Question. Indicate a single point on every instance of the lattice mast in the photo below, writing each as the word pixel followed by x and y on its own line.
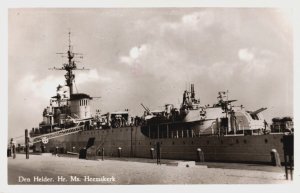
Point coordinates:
pixel 70 65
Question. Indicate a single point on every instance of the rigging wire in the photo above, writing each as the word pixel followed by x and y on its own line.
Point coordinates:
pixel 18 137
pixel 75 86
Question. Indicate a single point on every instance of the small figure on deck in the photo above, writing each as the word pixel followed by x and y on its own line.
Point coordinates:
pixel 265 131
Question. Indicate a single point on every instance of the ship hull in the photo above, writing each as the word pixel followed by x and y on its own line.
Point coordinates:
pixel 249 148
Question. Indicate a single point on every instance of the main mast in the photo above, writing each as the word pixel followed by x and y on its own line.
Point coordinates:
pixel 70 66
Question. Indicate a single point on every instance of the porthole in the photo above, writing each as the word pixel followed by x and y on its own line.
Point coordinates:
pixel 221 141
pixel 161 142
pixel 183 142
pixel 173 142
pixel 266 140
pixel 245 141
pixel 237 141
pixel 192 142
pixel 281 140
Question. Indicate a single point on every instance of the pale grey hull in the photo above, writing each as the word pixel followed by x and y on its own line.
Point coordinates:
pixel 251 148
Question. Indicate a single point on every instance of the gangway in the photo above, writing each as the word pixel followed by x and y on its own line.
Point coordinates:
pixel 44 138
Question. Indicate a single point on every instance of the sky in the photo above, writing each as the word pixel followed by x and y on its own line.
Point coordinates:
pixel 150 56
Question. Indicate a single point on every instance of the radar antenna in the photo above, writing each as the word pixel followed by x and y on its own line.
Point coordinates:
pixel 70 65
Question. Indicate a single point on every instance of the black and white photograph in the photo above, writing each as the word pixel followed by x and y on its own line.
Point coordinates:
pixel 150 95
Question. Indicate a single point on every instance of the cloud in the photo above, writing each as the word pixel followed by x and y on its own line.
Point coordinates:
pixel 199 44
pixel 255 60
pixel 44 88
pixel 91 76
pixel 134 54
pixel 195 21
pixel 245 55
pixel 203 18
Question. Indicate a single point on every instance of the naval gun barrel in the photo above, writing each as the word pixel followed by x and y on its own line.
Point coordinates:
pixel 258 111
pixel 146 109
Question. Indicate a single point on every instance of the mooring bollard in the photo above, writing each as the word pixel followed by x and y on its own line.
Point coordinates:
pixel 82 153
pixel 119 151
pixel 56 150
pixel 275 159
pixel 102 153
pixel 158 153
pixel 200 155
pixel 152 152
pixel 27 151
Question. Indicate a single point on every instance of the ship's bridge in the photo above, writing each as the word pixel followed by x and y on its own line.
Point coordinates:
pixel 80 106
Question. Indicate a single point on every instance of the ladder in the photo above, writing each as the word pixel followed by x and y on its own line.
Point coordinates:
pixel 44 138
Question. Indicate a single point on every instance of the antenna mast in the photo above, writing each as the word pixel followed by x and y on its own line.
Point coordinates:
pixel 70 66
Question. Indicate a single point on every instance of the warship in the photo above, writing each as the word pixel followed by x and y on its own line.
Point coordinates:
pixel 222 131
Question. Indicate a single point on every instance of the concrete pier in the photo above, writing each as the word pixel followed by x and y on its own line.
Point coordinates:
pixel 71 170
